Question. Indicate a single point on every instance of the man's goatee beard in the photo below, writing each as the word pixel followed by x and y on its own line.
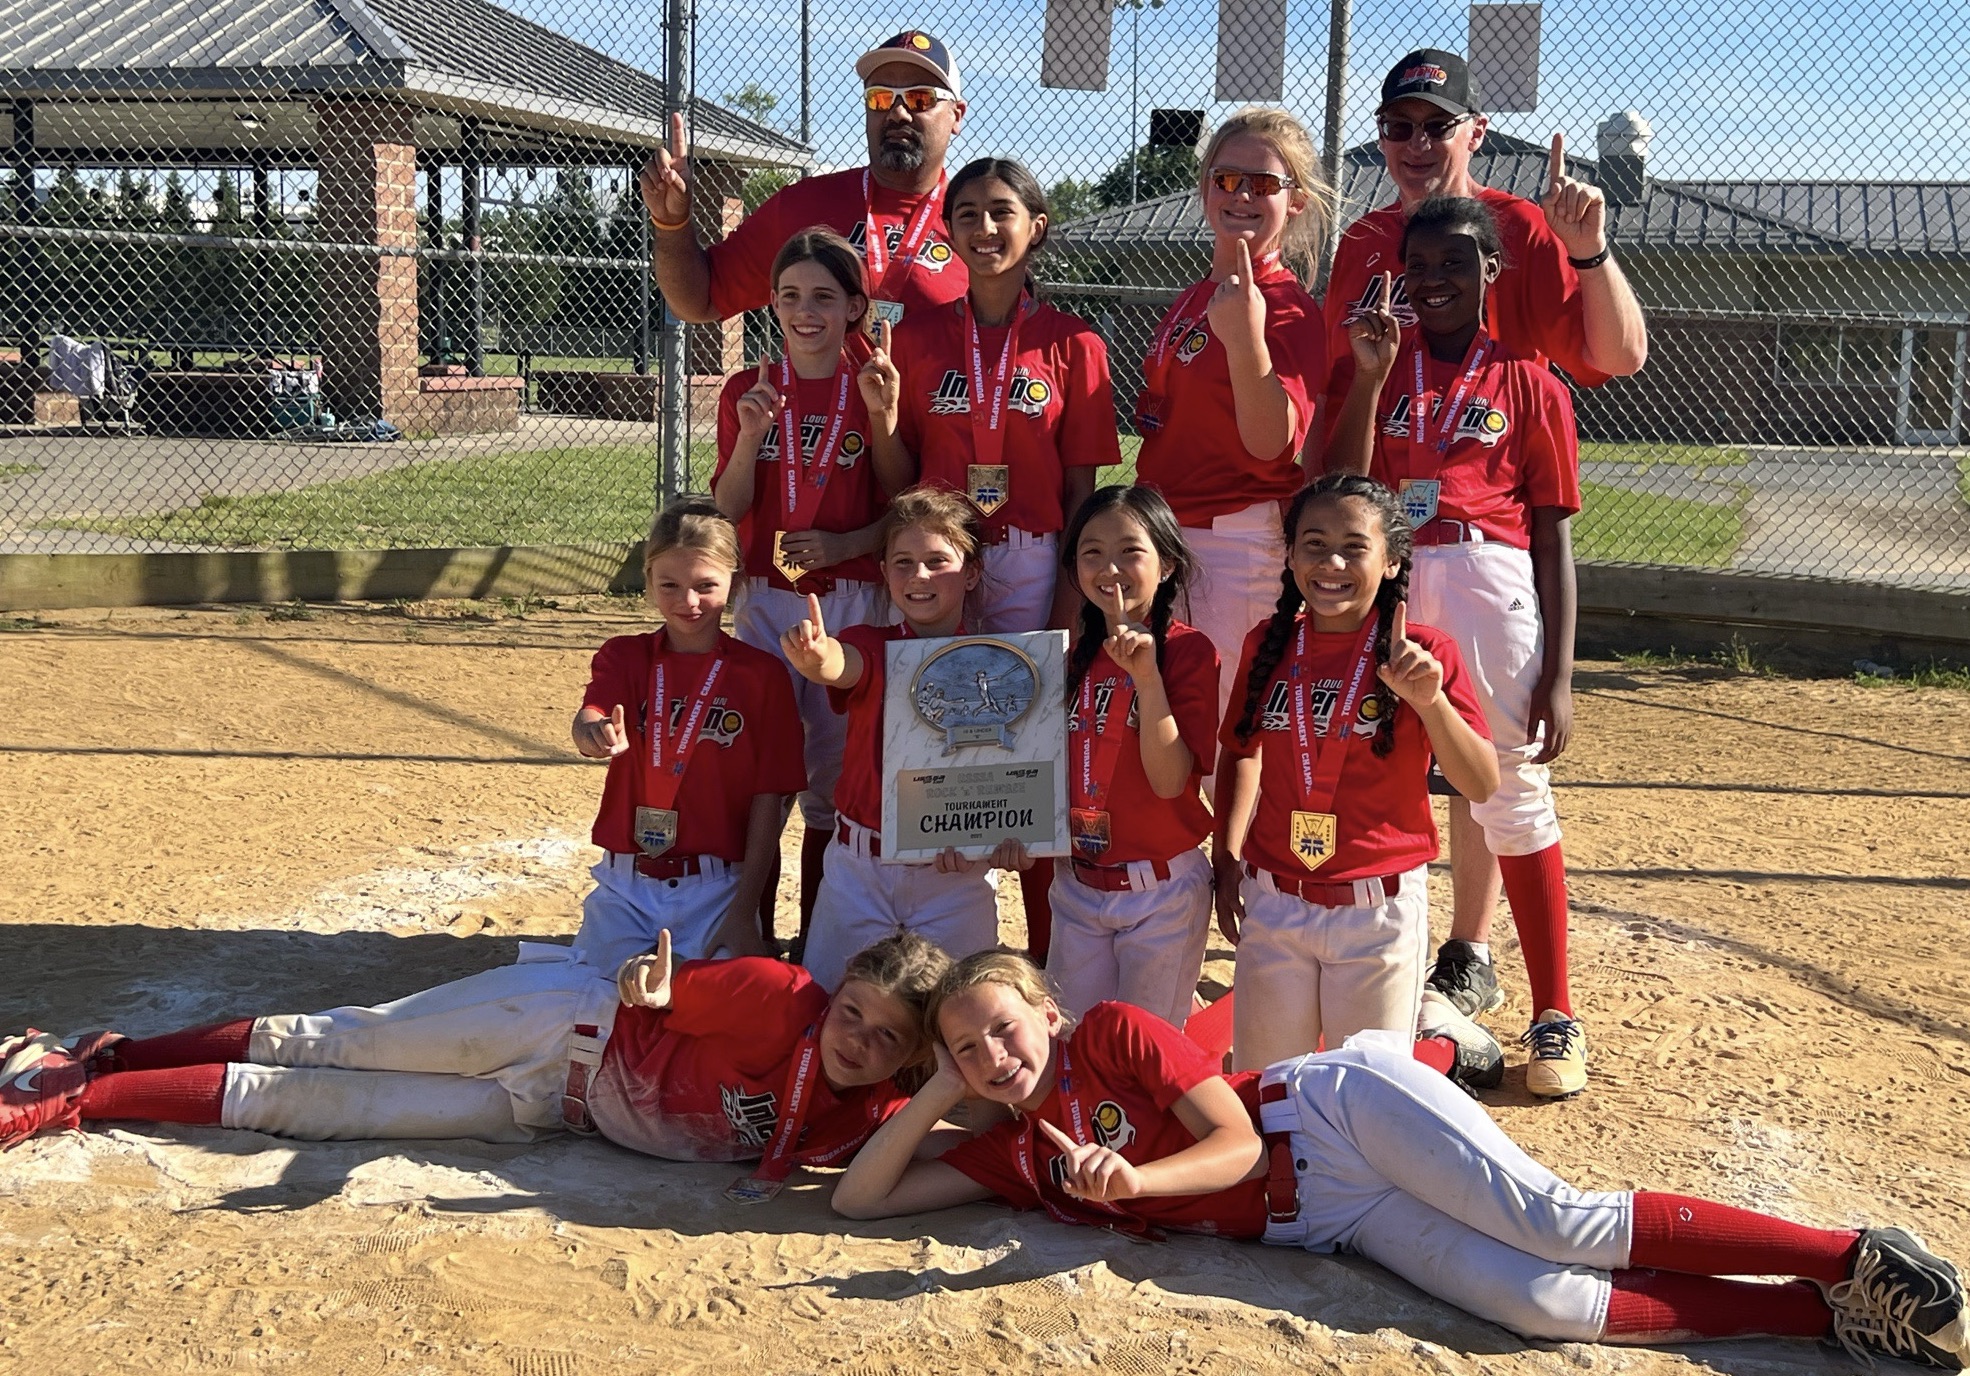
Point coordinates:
pixel 896 157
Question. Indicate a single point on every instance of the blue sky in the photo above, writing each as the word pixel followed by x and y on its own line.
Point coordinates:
pixel 1764 88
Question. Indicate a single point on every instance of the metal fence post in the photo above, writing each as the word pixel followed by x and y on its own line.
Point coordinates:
pixel 676 425
pixel 1339 18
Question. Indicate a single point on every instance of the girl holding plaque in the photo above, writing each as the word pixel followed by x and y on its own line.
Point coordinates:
pixel 1132 907
pixel 703 746
pixel 796 472
pixel 1235 368
pixel 1324 832
pixel 931 544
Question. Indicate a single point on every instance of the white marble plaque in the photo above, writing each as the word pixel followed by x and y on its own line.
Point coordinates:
pixel 975 745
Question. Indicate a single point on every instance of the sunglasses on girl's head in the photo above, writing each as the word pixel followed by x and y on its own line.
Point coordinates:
pixel 1403 130
pixel 1231 181
pixel 918 100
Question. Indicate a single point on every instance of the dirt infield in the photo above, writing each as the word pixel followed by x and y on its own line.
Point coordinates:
pixel 216 813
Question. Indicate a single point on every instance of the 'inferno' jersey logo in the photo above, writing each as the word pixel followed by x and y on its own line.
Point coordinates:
pixel 1276 715
pixel 1192 343
pixel 1025 394
pixel 1404 313
pixel 1112 1127
pixel 934 256
pixel 752 1116
pixel 812 428
pixel 1104 694
pixel 1481 420
pixel 722 723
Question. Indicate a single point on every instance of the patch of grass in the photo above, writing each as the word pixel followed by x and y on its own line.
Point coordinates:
pixel 1618 526
pixel 1934 674
pixel 23 623
pixel 1122 473
pixel 591 495
pixel 1963 477
pixel 294 610
pixel 1646 456
pixel 17 470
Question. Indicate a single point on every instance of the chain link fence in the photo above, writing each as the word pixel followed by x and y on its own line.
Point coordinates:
pixel 327 275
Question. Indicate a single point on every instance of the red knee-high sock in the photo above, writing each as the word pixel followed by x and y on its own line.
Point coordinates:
pixel 1438 1053
pixel 1536 886
pixel 1667 1306
pixel 181 1094
pixel 1674 1232
pixel 213 1043
pixel 1034 885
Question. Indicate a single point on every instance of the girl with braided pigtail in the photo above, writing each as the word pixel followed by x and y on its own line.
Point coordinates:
pixel 1324 829
pixel 1132 907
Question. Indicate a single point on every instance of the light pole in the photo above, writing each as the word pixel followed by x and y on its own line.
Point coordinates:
pixel 1135 65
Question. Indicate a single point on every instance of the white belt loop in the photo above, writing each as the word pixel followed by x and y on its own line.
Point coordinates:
pixel 1142 876
pixel 1368 893
pixel 860 838
pixel 1263 878
pixel 1024 539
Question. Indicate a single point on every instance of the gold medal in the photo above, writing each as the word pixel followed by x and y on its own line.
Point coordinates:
pixel 656 829
pixel 890 312
pixel 1090 829
pixel 988 485
pixel 788 569
pixel 1313 837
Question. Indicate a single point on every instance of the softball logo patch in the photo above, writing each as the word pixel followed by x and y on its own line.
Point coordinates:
pixel 935 255
pixel 1112 1127
pixel 722 724
pixel 1028 395
pixel 1192 345
pixel 852 445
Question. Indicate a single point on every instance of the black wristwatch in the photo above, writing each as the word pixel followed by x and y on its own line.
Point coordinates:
pixel 1582 264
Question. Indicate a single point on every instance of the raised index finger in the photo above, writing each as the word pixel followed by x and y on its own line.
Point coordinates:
pixel 1118 613
pixel 679 146
pixel 1057 1137
pixel 1556 168
pixel 814 614
pixel 1399 624
pixel 882 334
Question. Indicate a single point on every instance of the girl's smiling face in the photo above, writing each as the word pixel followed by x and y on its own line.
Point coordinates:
pixel 1340 559
pixel 992 230
pixel 928 577
pixel 814 311
pixel 1445 276
pixel 867 1036
pixel 1001 1044
pixel 690 589
pixel 1115 551
pixel 1243 214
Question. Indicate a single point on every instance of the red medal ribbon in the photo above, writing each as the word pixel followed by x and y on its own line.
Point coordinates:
pixel 1186 315
pixel 1100 748
pixel 1420 462
pixel 671 756
pixel 1320 763
pixel 779 1160
pixel 803 502
pixel 875 245
pixel 988 436
pixel 1026 1158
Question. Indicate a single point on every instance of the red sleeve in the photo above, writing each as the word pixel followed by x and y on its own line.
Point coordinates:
pixel 781 751
pixel 912 400
pixel 1088 435
pixel 1555 309
pixel 1234 709
pixel 1458 685
pixel 1190 678
pixel 990 1159
pixel 616 675
pixel 1124 1043
pixel 1299 360
pixel 1550 446
pixel 742 262
pixel 873 643
pixel 753 999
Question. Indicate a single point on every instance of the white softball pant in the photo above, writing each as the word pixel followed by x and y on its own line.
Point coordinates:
pixel 1398 1164
pixel 1239 560
pixel 864 899
pixel 1308 972
pixel 483 1057
pixel 763 614
pixel 625 910
pixel 1143 945
pixel 1017 590
pixel 1483 596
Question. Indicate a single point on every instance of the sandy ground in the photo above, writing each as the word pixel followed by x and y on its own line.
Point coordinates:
pixel 215 813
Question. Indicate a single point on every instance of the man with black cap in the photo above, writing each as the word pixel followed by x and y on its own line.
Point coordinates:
pixel 892 210
pixel 1560 297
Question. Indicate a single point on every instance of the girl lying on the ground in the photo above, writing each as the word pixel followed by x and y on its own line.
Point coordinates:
pixel 717 1061
pixel 1123 1123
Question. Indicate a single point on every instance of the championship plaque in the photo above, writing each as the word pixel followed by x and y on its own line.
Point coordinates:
pixel 975 745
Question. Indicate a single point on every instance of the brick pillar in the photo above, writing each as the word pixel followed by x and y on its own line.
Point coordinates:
pixel 719 348
pixel 366 155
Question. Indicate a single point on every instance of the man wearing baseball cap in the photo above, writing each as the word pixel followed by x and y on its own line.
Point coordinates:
pixel 891 210
pixel 1560 297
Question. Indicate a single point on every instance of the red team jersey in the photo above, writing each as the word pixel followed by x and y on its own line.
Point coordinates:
pixel 750 741
pixel 1190 447
pixel 858 794
pixel 1383 803
pixel 850 501
pixel 1535 306
pixel 1128 1069
pixel 1142 825
pixel 1514 449
pixel 704 1079
pixel 742 262
pixel 1059 407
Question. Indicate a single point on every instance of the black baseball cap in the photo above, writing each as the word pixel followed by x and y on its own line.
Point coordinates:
pixel 1434 75
pixel 918 49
